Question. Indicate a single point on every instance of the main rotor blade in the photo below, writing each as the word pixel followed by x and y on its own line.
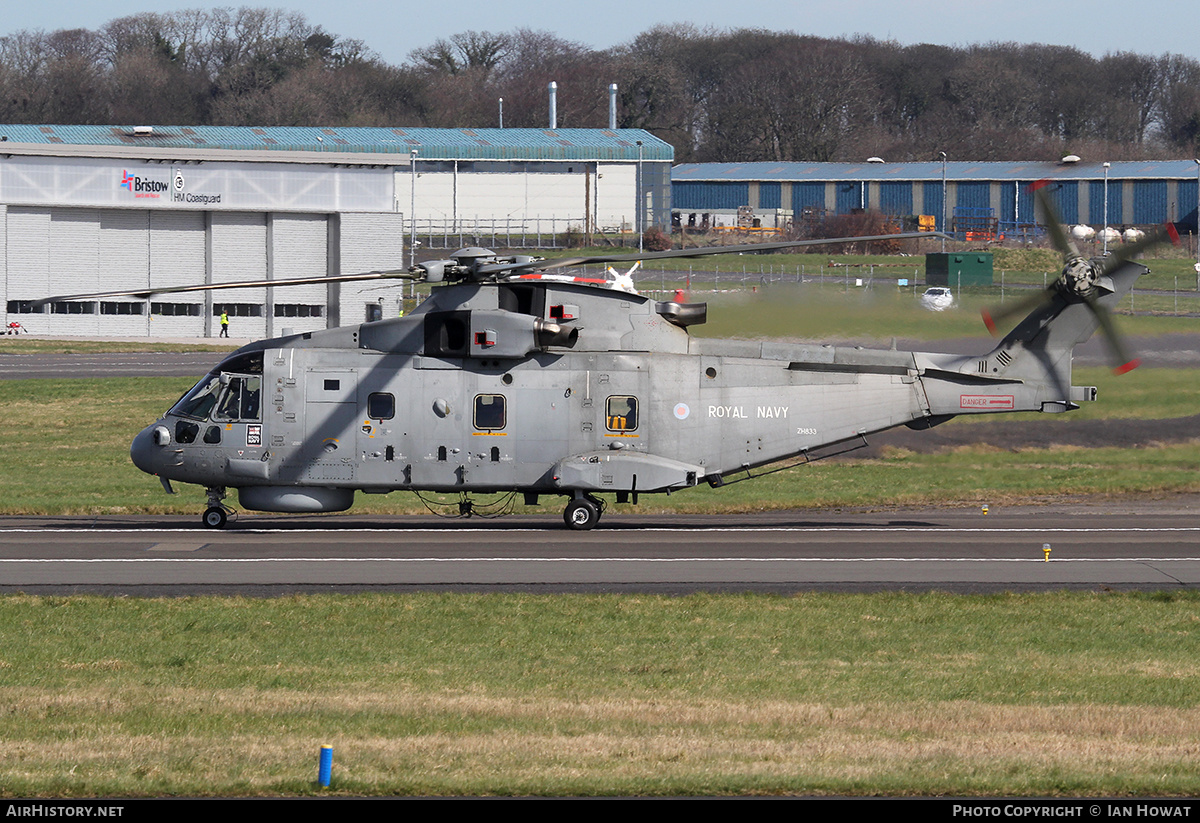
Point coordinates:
pixel 394 274
pixel 1062 240
pixel 702 251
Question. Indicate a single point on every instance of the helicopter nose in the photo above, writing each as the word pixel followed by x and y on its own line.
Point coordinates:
pixel 147 448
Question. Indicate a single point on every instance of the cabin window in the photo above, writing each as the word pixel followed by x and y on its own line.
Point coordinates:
pixel 489 412
pixel 381 406
pixel 621 413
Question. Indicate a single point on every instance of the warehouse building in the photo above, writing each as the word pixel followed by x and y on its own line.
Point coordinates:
pixel 982 200
pixel 104 208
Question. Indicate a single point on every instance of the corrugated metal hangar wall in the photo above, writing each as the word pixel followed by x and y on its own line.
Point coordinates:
pixel 1139 193
pixel 78 217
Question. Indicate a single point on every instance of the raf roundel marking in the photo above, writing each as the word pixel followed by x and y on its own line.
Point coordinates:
pixel 682 411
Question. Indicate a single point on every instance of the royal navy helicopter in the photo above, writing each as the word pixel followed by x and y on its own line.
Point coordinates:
pixel 515 377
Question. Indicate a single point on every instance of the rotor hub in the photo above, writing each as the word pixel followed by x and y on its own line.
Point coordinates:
pixel 1079 277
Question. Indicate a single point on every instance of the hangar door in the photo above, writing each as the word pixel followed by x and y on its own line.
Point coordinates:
pixel 256 246
pixel 65 251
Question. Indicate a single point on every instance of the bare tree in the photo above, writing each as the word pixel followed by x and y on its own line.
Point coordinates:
pixel 744 94
pixel 477 51
pixel 798 100
pixel 1180 106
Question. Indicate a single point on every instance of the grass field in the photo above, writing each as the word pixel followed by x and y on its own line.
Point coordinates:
pixel 827 312
pixel 894 694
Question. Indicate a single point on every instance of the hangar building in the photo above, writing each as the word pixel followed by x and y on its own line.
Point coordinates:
pixel 103 208
pixel 979 197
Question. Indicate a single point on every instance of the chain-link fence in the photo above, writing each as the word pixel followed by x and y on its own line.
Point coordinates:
pixel 533 233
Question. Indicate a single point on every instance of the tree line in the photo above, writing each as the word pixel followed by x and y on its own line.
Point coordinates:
pixel 715 95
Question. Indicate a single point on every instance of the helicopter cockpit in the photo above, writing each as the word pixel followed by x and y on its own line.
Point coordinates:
pixel 231 393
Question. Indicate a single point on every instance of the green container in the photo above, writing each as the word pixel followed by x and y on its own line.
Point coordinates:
pixel 956 269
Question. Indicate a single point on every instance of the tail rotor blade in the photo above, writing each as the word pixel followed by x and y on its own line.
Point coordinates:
pixel 1163 233
pixel 1123 361
pixel 1062 240
pixel 992 318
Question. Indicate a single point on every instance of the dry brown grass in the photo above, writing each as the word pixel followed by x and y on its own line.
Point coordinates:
pixel 520 742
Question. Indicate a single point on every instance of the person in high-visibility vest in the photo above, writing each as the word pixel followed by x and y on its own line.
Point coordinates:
pixel 224 324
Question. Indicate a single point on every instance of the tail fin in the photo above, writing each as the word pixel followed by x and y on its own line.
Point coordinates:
pixel 1030 370
pixel 1041 346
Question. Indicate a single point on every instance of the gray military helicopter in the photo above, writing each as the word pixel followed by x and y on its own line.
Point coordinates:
pixel 515 377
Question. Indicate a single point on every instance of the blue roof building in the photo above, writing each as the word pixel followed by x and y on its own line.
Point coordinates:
pixel 1137 192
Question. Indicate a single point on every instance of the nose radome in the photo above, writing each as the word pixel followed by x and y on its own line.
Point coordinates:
pixel 147 445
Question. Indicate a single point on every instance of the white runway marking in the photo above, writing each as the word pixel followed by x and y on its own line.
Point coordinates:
pixel 254 560
pixel 681 529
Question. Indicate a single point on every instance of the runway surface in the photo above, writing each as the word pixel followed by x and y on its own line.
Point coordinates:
pixel 1151 547
pixel 84 366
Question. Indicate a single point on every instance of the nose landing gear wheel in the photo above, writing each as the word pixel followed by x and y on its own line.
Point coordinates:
pixel 581 514
pixel 215 518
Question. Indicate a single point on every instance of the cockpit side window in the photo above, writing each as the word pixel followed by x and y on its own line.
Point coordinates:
pixel 240 400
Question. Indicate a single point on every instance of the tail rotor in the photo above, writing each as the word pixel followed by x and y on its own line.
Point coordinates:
pixel 1082 280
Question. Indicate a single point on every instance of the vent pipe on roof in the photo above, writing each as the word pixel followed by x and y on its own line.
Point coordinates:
pixel 553 105
pixel 612 106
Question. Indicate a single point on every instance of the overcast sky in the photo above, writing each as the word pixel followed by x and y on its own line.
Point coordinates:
pixel 393 29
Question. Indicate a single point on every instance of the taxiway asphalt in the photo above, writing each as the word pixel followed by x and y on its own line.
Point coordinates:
pixel 1097 547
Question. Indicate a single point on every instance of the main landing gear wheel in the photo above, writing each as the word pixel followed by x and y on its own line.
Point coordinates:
pixel 215 517
pixel 582 514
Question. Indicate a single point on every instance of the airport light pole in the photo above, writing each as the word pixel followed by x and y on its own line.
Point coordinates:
pixel 641 200
pixel 943 226
pixel 1107 165
pixel 412 209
